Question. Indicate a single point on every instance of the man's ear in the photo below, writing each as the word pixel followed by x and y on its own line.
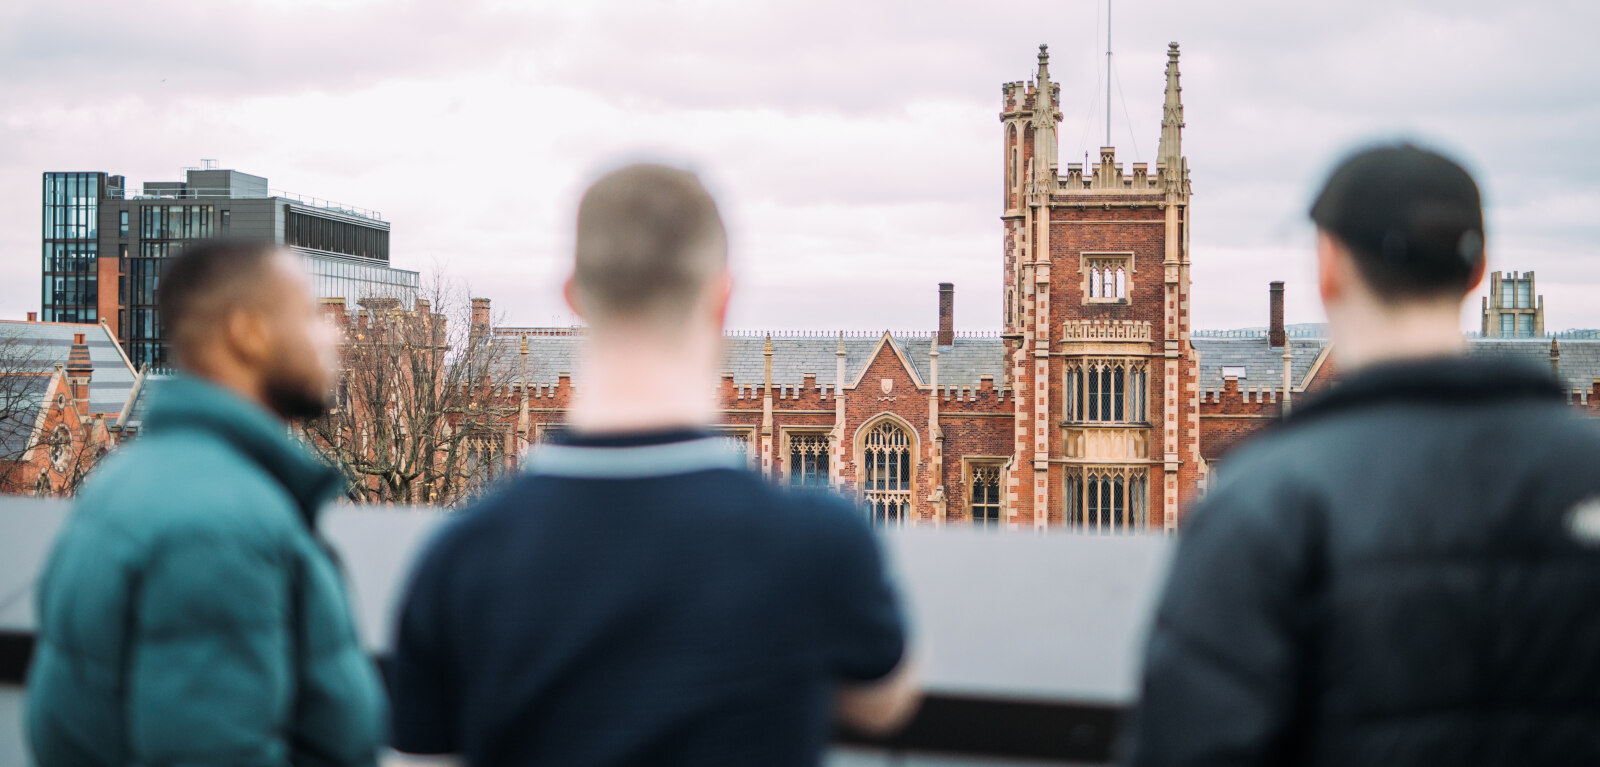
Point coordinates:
pixel 720 296
pixel 1479 270
pixel 569 291
pixel 248 338
pixel 1331 269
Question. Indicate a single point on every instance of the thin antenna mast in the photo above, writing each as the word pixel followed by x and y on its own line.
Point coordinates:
pixel 1108 73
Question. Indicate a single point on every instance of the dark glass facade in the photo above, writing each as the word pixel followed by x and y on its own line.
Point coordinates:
pixel 71 224
pixel 87 216
pixel 141 276
pixel 163 229
pixel 333 236
pixel 174 222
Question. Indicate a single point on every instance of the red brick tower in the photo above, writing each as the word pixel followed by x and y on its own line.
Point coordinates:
pixel 1097 323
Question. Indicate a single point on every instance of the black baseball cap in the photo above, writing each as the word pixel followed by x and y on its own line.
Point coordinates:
pixel 1412 217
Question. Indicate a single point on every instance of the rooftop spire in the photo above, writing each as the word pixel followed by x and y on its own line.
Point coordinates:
pixel 1044 127
pixel 1171 149
pixel 1042 100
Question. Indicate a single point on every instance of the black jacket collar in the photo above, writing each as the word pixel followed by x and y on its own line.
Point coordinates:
pixel 1456 379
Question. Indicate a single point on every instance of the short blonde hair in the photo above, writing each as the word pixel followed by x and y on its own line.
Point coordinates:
pixel 649 241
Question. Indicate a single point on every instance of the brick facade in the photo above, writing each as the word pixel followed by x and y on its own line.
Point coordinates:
pixel 970 404
pixel 1096 278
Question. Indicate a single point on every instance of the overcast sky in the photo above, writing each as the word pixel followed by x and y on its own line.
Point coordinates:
pixel 854 145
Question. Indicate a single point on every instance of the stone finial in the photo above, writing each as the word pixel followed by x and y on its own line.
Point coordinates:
pixel 1170 153
pixel 1044 127
pixel 1042 85
pixel 839 351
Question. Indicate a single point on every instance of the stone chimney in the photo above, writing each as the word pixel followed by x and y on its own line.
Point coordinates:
pixel 947 309
pixel 80 369
pixel 1276 338
pixel 480 315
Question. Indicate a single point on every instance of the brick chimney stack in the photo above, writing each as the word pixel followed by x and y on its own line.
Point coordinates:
pixel 480 315
pixel 947 309
pixel 1276 337
pixel 80 369
pixel 33 316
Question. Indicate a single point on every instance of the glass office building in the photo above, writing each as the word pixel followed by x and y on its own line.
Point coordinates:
pixel 71 247
pixel 103 248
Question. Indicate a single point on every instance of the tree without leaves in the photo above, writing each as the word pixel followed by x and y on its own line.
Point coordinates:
pixel 414 419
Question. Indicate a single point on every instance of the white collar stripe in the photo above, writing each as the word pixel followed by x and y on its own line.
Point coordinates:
pixel 634 462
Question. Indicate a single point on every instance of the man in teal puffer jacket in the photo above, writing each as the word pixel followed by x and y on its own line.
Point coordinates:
pixel 189 613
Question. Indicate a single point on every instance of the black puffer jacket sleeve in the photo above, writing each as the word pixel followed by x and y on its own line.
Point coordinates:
pixel 1224 654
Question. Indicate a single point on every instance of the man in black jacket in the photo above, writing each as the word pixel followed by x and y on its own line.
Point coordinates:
pixel 1407 571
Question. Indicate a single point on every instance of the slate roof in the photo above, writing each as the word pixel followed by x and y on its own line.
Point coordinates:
pixel 1578 367
pixel 35 348
pixel 1263 364
pixel 46 343
pixel 1579 364
pixel 793 355
pixel 22 398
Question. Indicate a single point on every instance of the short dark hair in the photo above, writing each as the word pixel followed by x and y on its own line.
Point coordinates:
pixel 649 240
pixel 206 278
pixel 1412 219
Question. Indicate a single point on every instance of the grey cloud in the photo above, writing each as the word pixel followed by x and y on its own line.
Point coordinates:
pixel 855 144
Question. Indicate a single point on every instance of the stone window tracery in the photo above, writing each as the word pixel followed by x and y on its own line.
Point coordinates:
pixel 808 459
pixel 886 473
pixel 60 447
pixel 983 495
pixel 1107 390
pixel 1107 277
pixel 1107 499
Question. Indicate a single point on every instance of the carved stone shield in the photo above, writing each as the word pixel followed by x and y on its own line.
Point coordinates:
pixel 887 384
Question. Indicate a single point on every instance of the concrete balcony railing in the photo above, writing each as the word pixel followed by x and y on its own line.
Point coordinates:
pixel 1028 644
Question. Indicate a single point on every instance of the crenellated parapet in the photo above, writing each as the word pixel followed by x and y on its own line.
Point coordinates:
pixel 1108 177
pixel 1106 330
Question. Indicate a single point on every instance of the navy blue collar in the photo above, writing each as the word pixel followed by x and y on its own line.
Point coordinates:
pixel 628 438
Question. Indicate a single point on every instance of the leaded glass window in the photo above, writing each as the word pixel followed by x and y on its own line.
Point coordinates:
pixel 1107 277
pixel 886 473
pixel 984 495
pixel 808 459
pixel 1107 499
pixel 1113 390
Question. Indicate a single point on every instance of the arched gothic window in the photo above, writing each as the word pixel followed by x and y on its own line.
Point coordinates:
pixel 1108 277
pixel 60 447
pixel 886 474
pixel 1107 499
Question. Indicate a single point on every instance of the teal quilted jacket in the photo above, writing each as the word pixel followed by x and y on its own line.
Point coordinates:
pixel 190 615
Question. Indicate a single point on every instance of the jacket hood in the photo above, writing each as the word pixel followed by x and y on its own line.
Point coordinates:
pixel 184 402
